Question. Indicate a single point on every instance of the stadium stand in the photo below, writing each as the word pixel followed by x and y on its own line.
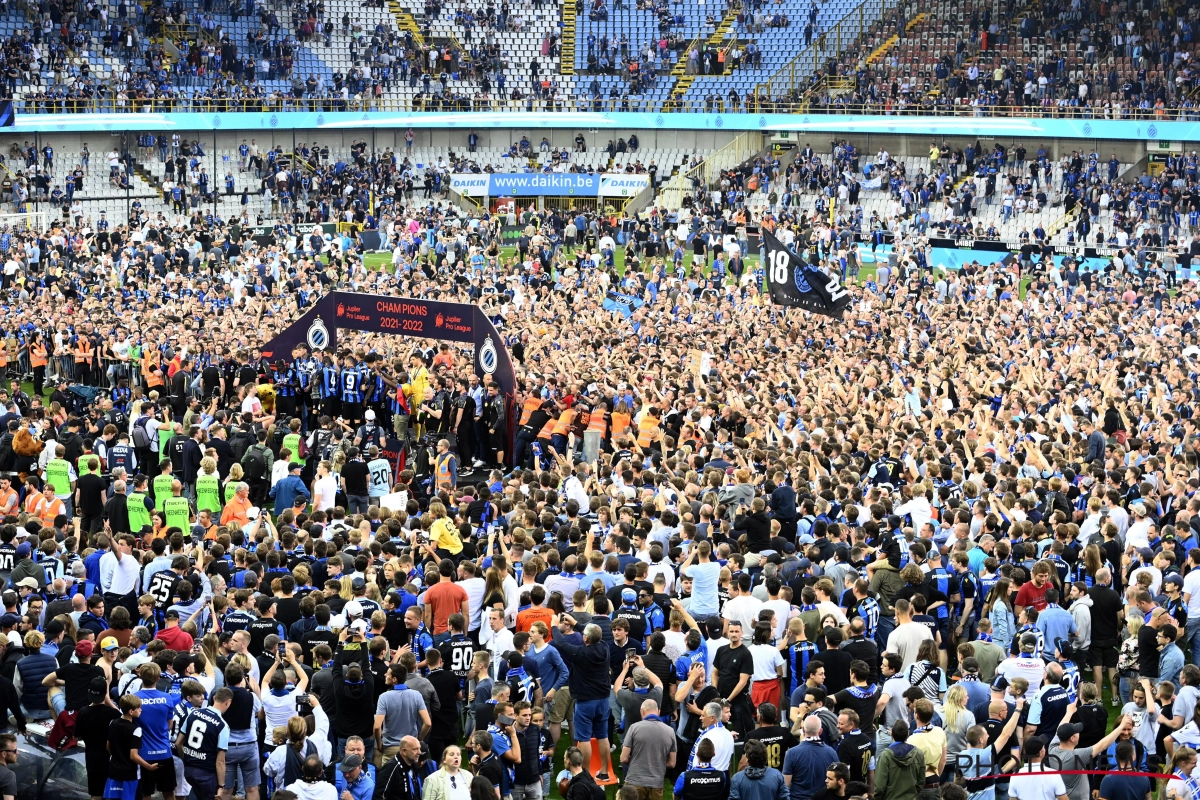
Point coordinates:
pixel 1110 59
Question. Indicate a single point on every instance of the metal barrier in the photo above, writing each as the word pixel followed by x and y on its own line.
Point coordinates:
pixel 750 105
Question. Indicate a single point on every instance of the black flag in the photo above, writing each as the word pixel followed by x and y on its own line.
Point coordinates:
pixel 795 283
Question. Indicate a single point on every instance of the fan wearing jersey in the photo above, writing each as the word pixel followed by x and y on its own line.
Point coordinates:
pixel 155 744
pixel 202 740
pixel 379 470
pixel 125 756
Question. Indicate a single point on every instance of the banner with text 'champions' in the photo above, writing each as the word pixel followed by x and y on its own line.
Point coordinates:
pixel 794 283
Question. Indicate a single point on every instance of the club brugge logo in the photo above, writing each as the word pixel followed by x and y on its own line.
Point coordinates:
pixel 801 281
pixel 489 359
pixel 318 335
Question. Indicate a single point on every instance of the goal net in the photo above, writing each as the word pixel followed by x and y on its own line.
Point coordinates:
pixel 35 221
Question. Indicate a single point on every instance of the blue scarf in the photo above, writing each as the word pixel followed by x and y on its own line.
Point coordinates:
pixel 807 608
pixel 985 637
pixel 862 692
pixel 699 737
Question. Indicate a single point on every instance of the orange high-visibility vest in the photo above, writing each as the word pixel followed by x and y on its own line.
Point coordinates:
pixel 563 425
pixel 37 355
pixel 646 430
pixel 34 504
pixel 6 501
pixel 443 471
pixel 152 378
pixel 530 405
pixel 597 423
pixel 83 351
pixel 50 510
pixel 547 429
pixel 620 423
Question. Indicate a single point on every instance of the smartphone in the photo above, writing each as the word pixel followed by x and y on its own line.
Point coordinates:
pixel 282 649
pixel 630 654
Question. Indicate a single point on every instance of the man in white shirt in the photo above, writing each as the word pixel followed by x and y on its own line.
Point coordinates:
pixel 742 606
pixel 712 730
pixel 119 574
pixel 496 639
pixel 906 639
pixel 474 587
pixel 1138 535
pixel 1026 665
pixel 279 702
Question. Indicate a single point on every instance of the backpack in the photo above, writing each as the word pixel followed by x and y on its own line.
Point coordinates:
pixel 239 443
pixel 320 440
pixel 141 434
pixel 255 464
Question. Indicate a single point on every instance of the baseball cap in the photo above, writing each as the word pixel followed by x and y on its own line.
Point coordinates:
pixel 99 686
pixel 252 512
pixel 295 465
pixel 370 414
pixel 629 595
pixel 805 563
pixel 1068 730
pixel 1146 553
pixel 109 643
pixel 1000 684
pixel 84 649
pixel 10 621
pixel 24 550
pixel 28 583
pixel 358 583
pixel 172 613
pixel 1174 578
pixel 353 609
pixel 358 625
pixel 349 763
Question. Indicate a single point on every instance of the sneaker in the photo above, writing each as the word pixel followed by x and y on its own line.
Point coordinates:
pixel 601 776
pixel 1116 700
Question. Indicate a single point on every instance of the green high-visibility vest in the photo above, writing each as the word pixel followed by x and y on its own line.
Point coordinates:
pixel 162 488
pixel 292 442
pixel 81 463
pixel 178 512
pixel 58 472
pixel 208 493
pixel 139 515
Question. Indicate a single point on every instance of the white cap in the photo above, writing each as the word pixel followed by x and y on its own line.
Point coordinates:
pixel 370 414
pixel 353 609
pixel 252 512
pixel 358 625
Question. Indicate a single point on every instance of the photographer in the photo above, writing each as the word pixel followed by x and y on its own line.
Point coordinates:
pixel 280 695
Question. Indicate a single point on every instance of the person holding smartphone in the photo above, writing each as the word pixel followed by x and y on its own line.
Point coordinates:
pixel 286 680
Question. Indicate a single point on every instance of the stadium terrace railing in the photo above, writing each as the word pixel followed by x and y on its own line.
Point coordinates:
pixel 708 171
pixel 750 105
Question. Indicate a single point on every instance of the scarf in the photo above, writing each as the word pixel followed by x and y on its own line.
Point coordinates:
pixel 984 637
pixel 862 692
pixel 699 737
pixel 754 773
pixel 969 676
pixel 923 729
pixel 1192 784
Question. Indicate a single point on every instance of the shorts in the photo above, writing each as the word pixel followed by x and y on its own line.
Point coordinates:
pixel 161 779
pixel 121 790
pixel 352 411
pixel 1100 655
pixel 649 792
pixel 182 788
pixel 561 707
pixel 590 720
pixel 243 758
